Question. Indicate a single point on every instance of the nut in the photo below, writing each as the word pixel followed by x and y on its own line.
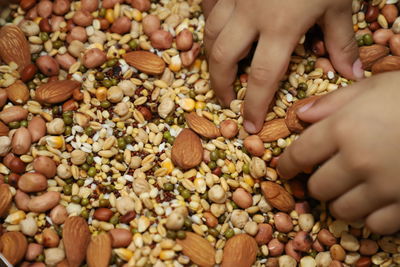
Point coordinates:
pixel 254 145
pixel 228 129
pixel 45 166
pixel 145 61
pixel 240 250
pixel 32 182
pixel 44 202
pixel 5 199
pixel 21 141
pixel 273 130
pixel 99 251
pixel 13 246
pixel 37 128
pixel 389 63
pixel 202 126
pixel 292 121
pixel 120 237
pixel 76 236
pixel 198 249
pixel 14 113
pixel 371 54
pixel 277 196
pixel 18 92
pixel 56 91
pixel 14 47
pixel 187 151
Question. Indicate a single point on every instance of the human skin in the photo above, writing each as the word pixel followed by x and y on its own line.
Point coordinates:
pixel 233 25
pixel 355 141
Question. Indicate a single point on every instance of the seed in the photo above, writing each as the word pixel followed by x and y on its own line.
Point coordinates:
pixel 104 203
pixel 229 233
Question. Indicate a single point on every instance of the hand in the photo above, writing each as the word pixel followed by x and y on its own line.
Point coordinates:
pixel 356 139
pixel 233 25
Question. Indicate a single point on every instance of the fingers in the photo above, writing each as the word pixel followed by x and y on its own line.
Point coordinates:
pixel 385 220
pixel 325 106
pixel 314 146
pixel 208 5
pixel 216 21
pixel 269 64
pixel 355 204
pixel 341 43
pixel 230 46
pixel 331 180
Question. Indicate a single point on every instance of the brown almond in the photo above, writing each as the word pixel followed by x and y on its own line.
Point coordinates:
pixel 18 92
pixel 44 202
pixel 371 54
pixel 32 182
pixel 202 126
pixel 56 91
pixel 37 128
pixel 277 196
pixel 386 64
pixel 45 166
pixel 198 249
pixel 5 199
pixel 240 250
pixel 14 47
pixel 292 121
pixel 14 113
pixel 99 251
pixel 187 151
pixel 13 246
pixel 3 97
pixel 3 129
pixel 76 236
pixel 21 141
pixel 145 61
pixel 273 130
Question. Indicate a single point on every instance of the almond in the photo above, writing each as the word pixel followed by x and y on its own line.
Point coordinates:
pixel 18 92
pixel 14 113
pixel 273 130
pixel 187 151
pixel 371 54
pixel 292 121
pixel 389 63
pixel 99 251
pixel 277 196
pixel 202 126
pixel 5 199
pixel 13 246
pixel 198 249
pixel 3 129
pixel 56 91
pixel 14 47
pixel 240 250
pixel 76 236
pixel 3 97
pixel 145 61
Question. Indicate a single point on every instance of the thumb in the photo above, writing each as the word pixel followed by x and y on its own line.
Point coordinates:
pixel 341 43
pixel 208 6
pixel 328 104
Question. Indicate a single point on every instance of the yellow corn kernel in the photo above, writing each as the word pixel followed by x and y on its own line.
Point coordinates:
pixel 196 65
pixel 15 217
pixel 101 93
pixel 124 253
pixel 110 15
pixel 55 141
pixel 187 104
pixel 248 180
pixel 168 165
pixel 37 20
pixel 121 51
pixel 231 167
pixel 120 125
pixel 200 105
pixel 99 46
pixel 137 15
pixel 167 255
pixel 176 63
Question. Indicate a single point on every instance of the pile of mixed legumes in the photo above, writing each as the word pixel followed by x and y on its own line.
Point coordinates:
pixel 97 169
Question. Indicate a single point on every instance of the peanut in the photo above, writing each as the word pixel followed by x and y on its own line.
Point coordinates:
pixel 44 202
pixel 48 65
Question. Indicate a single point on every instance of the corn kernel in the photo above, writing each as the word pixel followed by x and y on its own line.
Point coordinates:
pixel 124 253
pixel 99 46
pixel 55 141
pixel 167 255
pixel 137 15
pixel 231 167
pixel 120 125
pixel 37 20
pixel 15 217
pixel 197 64
pixel 121 51
pixel 200 105
pixel 176 63
pixel 248 180
pixel 101 93
pixel 110 15
pixel 187 104
pixel 168 165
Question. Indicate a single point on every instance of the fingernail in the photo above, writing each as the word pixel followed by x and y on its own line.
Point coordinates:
pixel 305 107
pixel 358 70
pixel 250 127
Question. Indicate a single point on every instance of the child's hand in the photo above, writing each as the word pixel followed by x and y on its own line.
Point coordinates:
pixel 356 138
pixel 233 25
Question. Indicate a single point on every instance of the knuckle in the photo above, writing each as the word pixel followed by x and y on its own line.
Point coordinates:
pixel 218 55
pixel 210 31
pixel 260 74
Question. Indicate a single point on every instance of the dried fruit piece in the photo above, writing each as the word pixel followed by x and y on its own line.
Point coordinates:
pixel 5 199
pixel 240 250
pixel 273 130
pixel 292 121
pixel 187 151
pixel 389 63
pixel 99 251
pixel 145 61
pixel 202 126
pixel 18 92
pixel 198 249
pixel 76 236
pixel 371 54
pixel 14 47
pixel 56 91
pixel 277 196
pixel 13 246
